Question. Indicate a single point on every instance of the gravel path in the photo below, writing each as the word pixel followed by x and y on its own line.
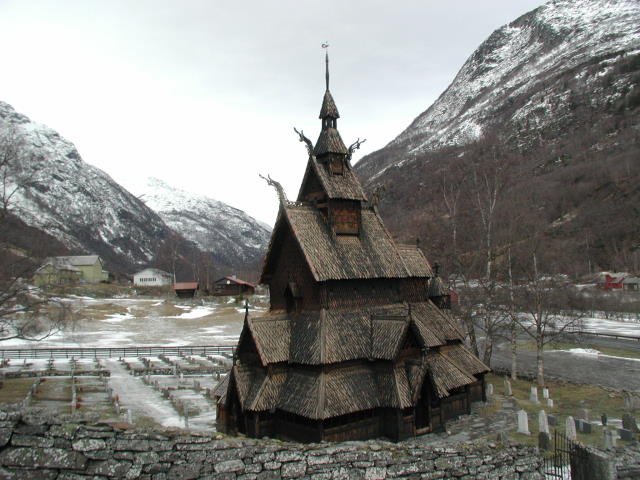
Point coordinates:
pixel 141 399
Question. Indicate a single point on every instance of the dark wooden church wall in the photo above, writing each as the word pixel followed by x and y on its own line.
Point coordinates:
pixel 362 293
pixel 312 189
pixel 345 216
pixel 292 267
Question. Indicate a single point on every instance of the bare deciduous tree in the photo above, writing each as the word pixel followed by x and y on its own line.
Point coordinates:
pixel 24 312
pixel 545 307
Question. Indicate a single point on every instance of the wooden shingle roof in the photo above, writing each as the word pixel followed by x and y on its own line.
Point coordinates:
pixel 445 375
pixel 372 254
pixel 329 141
pixel 330 336
pixel 319 395
pixel 463 358
pixel 328 109
pixel 345 186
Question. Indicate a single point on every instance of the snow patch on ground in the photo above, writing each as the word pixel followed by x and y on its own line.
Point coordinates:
pixel 197 312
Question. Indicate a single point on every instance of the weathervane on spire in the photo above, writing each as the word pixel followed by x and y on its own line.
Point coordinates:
pixel 325 45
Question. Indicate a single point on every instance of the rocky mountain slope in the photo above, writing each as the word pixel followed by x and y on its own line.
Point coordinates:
pixel 233 236
pixel 80 209
pixel 555 94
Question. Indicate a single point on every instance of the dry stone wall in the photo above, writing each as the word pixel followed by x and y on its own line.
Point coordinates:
pixel 34 447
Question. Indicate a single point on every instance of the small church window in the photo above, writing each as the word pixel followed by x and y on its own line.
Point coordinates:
pixel 337 166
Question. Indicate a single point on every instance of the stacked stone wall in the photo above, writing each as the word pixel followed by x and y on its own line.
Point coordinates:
pixel 37 448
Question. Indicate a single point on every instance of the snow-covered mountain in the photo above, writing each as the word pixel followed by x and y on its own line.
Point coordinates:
pixel 507 79
pixel 214 226
pixel 74 202
pixel 86 211
pixel 554 97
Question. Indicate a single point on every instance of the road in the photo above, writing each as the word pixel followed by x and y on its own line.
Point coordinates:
pixel 598 370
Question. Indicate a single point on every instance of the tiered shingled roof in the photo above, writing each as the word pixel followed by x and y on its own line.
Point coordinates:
pixel 372 254
pixel 345 186
pixel 332 337
pixel 367 336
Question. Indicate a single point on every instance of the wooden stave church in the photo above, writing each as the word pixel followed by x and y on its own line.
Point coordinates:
pixel 358 342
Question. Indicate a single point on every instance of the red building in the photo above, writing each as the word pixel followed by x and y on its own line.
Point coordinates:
pixel 611 281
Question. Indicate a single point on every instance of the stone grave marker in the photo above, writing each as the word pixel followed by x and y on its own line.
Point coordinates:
pixel 489 389
pixel 603 419
pixel 523 422
pixel 629 423
pixel 631 401
pixel 585 427
pixel 507 388
pixel 551 420
pixel 583 414
pixel 549 403
pixel 543 424
pixel 545 393
pixel 570 428
pixel 610 438
pixel 626 435
pixel 533 396
pixel 544 441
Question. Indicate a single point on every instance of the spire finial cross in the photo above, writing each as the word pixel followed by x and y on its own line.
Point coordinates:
pixel 325 45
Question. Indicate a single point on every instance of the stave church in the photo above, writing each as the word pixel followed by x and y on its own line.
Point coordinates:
pixel 358 341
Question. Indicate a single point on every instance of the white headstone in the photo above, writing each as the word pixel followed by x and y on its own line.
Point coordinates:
pixel 543 424
pixel 545 392
pixel 523 422
pixel 533 396
pixel 489 389
pixel 129 416
pixel 507 388
pixel 549 402
pixel 570 428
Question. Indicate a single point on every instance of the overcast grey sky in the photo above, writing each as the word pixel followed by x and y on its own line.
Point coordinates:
pixel 204 94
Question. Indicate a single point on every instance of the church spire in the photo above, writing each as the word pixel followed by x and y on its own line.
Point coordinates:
pixel 326 63
pixel 329 140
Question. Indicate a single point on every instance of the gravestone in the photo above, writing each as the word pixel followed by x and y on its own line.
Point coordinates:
pixel 549 403
pixel 603 419
pixel 583 414
pixel 585 427
pixel 551 420
pixel 545 393
pixel 129 416
pixel 533 396
pixel 523 422
pixel 489 389
pixel 507 388
pixel 626 435
pixel 629 423
pixel 631 401
pixel 543 425
pixel 544 441
pixel 609 438
pixel 570 428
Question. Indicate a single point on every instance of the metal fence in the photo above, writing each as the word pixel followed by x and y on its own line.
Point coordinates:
pixel 104 352
pixel 564 452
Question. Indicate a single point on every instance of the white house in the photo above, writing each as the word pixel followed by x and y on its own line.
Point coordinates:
pixel 152 277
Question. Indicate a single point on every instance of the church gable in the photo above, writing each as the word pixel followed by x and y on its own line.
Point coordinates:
pixel 287 272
